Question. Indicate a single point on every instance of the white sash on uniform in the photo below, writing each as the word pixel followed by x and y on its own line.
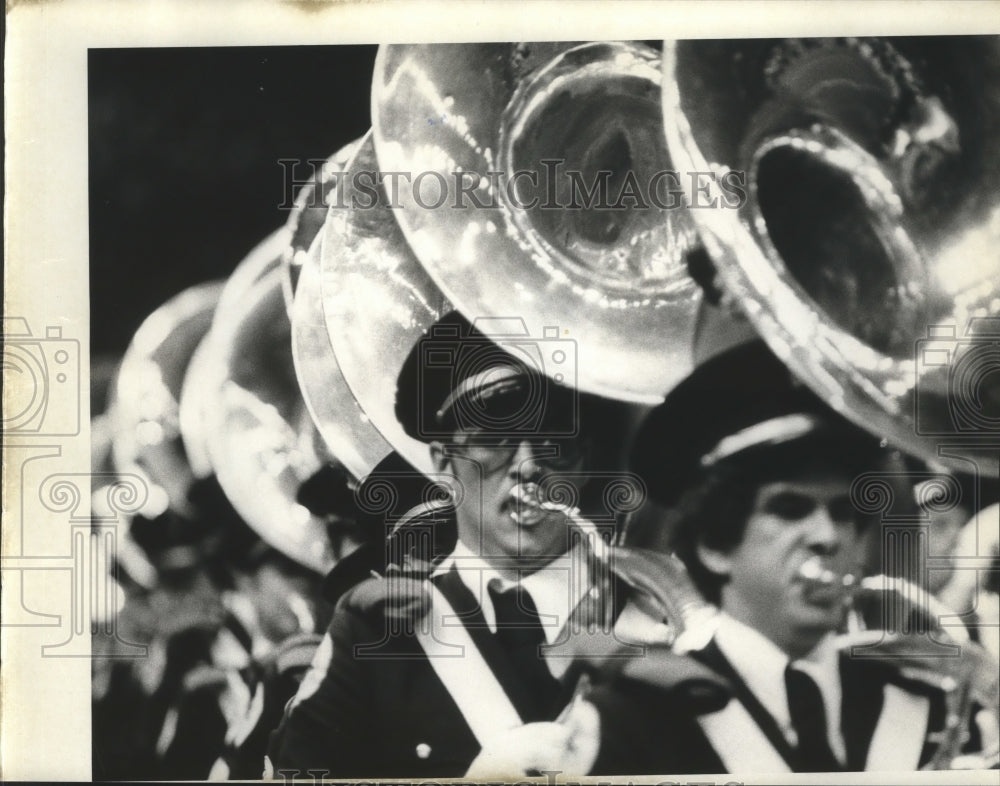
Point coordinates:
pixel 464 672
pixel 896 743
pixel 899 736
pixel 739 742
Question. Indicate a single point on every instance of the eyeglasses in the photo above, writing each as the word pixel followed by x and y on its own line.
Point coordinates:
pixel 492 453
pixel 793 506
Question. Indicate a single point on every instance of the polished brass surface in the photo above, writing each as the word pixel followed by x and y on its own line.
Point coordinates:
pixel 258 433
pixel 193 401
pixel 144 409
pixel 347 430
pixel 307 217
pixel 256 265
pixel 867 253
pixel 377 301
pixel 207 370
pixel 480 121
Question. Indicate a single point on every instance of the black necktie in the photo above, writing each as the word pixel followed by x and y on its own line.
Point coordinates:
pixel 808 715
pixel 520 634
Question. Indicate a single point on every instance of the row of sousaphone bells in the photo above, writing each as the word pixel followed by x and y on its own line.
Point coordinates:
pixel 840 196
pixel 859 242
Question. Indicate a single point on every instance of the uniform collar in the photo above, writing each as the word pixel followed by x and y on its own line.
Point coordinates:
pixel 761 666
pixel 555 589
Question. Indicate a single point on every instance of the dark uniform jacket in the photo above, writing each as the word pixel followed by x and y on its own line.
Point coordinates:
pixel 270 683
pixel 194 730
pixel 377 708
pixel 646 730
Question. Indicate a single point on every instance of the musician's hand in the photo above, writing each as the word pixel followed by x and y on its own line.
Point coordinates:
pixel 397 596
pixel 534 747
pixel 568 747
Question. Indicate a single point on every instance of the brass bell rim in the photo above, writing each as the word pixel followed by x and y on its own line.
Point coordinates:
pixel 362 250
pixel 311 202
pixel 610 65
pixel 522 280
pixel 877 392
pixel 244 426
pixel 179 324
pixel 358 446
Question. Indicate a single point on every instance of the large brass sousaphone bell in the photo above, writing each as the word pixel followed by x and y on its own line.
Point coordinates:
pixel 347 430
pixel 377 302
pixel 867 253
pixel 308 215
pixel 259 436
pixel 144 409
pixel 514 160
pixel 265 401
pixel 206 372
pixel 194 404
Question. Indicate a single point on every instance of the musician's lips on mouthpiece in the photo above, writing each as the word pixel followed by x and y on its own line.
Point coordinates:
pixel 820 583
pixel 526 506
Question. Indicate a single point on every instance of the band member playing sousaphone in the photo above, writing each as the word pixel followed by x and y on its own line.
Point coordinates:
pixel 460 655
pixel 386 695
pixel 760 472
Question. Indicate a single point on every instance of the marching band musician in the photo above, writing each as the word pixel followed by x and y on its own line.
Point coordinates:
pixel 768 532
pixel 231 617
pixel 446 659
pixel 173 563
pixel 277 669
pixel 171 604
pixel 975 594
pixel 387 695
pixel 409 513
pixel 216 664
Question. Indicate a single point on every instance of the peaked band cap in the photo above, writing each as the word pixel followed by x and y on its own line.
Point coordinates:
pixel 457 378
pixel 739 404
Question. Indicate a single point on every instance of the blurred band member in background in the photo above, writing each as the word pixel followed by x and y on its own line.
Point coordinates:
pixel 292 611
pixel 229 614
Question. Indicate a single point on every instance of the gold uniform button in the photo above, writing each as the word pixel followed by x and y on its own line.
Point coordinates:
pixel 423 750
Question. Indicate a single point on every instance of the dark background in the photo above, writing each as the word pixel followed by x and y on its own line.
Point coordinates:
pixel 184 175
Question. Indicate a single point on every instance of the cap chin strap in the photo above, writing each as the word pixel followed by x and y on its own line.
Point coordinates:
pixel 484 385
pixel 774 431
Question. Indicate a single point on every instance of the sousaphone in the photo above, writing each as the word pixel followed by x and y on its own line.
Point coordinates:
pixel 308 215
pixel 526 183
pixel 260 439
pixel 377 302
pixel 144 406
pixel 205 372
pixel 347 430
pixel 867 250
